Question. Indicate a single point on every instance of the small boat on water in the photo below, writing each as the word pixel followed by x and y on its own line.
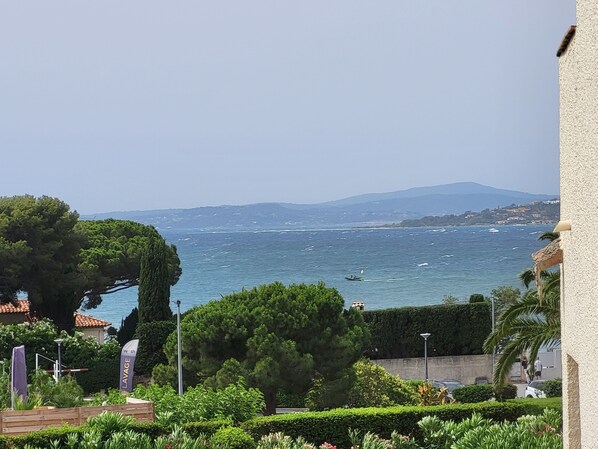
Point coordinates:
pixel 353 277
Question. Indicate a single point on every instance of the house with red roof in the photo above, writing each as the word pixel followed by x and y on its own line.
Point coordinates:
pixel 88 325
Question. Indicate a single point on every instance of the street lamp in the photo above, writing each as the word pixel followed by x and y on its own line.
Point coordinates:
pixel 179 348
pixel 59 341
pixel 426 335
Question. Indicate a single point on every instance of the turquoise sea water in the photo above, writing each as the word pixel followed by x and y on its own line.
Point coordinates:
pixel 412 266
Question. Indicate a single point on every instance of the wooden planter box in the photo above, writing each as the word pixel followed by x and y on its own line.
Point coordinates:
pixel 16 422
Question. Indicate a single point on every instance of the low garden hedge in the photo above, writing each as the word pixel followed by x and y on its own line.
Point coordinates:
pixel 42 438
pixel 333 426
pixel 534 406
pixel 209 428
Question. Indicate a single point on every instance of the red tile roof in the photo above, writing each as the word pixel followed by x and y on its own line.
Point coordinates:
pixel 81 321
pixel 21 307
pixel 89 321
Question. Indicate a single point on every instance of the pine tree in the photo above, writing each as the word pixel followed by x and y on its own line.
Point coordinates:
pixel 154 283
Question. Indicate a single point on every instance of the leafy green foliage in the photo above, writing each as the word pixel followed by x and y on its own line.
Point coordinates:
pixel 154 283
pixel 77 352
pixel 5 385
pixel 39 252
pixel 152 336
pixel 179 438
pixel 284 399
pixel 476 297
pixel 280 335
pixel 63 263
pixel 107 422
pixel 279 440
pixel 505 391
pixel 525 326
pixel 235 402
pixel 333 426
pixel 429 395
pixel 553 388
pixel 474 393
pixel 232 438
pixel 230 373
pixel 457 329
pixel 534 432
pixel 375 387
pixel 66 393
pixel 127 327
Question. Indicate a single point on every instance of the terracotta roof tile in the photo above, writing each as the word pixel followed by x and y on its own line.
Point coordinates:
pixel 81 321
pixel 21 307
pixel 89 321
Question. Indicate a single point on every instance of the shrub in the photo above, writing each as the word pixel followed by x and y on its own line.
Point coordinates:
pixel 284 399
pixel 179 438
pixel 414 384
pixel 553 388
pixel 375 387
pixel 532 432
pixel 474 393
pixel 152 337
pixel 196 429
pixel 504 392
pixel 428 395
pixel 107 423
pixel 333 426
pixel 324 395
pixel 535 406
pixel 235 402
pixel 66 393
pixel 165 375
pixel 232 438
pixel 476 297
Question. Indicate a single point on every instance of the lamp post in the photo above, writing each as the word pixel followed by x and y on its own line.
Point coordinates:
pixel 179 348
pixel 426 335
pixel 59 341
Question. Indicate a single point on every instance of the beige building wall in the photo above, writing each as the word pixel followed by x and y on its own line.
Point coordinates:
pixel 94 332
pixel 578 72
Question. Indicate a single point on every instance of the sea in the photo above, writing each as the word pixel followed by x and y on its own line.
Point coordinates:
pixel 399 266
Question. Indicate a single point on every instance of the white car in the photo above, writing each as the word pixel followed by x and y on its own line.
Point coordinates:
pixel 534 389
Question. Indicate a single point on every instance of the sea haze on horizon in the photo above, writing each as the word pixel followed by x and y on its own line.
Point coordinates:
pixel 402 267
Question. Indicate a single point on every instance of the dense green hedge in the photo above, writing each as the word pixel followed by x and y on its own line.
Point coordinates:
pixel 194 429
pixel 333 426
pixel 470 394
pixel 457 329
pixel 534 406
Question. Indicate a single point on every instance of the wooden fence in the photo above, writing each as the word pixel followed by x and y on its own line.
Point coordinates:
pixel 16 422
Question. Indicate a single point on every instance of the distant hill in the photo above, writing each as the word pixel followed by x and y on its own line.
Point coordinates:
pixel 364 210
pixel 539 212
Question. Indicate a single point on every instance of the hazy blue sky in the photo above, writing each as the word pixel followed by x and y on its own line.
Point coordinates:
pixel 120 105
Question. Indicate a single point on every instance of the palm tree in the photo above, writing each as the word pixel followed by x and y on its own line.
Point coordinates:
pixel 527 324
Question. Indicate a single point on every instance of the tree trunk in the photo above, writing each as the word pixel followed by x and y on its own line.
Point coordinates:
pixel 270 398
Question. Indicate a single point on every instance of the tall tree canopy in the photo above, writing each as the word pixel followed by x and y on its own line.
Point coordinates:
pixel 62 263
pixel 154 283
pixel 281 336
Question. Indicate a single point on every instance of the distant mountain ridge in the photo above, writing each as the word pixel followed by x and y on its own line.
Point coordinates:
pixel 362 210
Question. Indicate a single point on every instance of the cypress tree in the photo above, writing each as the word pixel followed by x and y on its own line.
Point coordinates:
pixel 154 285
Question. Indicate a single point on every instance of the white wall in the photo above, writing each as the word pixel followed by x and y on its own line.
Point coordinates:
pixel 578 71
